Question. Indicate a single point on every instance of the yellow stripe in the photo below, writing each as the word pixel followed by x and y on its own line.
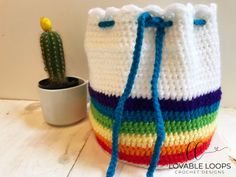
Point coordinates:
pixel 148 140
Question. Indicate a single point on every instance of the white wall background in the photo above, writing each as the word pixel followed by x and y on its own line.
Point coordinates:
pixel 21 64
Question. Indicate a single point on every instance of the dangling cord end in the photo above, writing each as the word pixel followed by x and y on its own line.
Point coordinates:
pixel 115 142
pixel 155 156
pixel 160 133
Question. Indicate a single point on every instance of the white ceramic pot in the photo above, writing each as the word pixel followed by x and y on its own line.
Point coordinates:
pixel 64 106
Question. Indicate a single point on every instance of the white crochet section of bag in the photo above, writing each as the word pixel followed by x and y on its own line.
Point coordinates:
pixel 191 55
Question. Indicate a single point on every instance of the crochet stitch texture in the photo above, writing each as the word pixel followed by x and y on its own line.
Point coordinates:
pixel 188 85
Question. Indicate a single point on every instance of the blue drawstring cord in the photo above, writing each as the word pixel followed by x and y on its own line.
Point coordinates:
pixel 120 106
pixel 160 129
pixel 144 20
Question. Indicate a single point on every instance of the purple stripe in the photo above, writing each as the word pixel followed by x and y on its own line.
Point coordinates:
pixel 135 104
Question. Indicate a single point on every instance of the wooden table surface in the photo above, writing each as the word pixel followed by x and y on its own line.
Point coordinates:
pixel 29 147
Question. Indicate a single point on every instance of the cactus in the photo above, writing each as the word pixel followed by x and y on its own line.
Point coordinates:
pixel 53 54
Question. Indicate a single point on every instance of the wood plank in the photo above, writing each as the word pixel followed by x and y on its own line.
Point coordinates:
pixel 93 161
pixel 29 147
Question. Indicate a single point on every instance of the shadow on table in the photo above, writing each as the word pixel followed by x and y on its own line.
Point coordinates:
pixel 33 117
pixel 93 161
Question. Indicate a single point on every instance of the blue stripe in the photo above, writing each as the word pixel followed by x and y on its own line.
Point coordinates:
pixel 166 104
pixel 147 116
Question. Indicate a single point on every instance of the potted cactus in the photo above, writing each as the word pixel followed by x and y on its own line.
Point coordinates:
pixel 63 99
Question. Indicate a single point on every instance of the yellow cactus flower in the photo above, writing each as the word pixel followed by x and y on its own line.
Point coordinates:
pixel 46 24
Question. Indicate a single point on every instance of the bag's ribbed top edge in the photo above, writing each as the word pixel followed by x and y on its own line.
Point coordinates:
pixel 175 8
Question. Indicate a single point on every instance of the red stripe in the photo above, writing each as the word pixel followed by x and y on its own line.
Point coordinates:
pixel 164 159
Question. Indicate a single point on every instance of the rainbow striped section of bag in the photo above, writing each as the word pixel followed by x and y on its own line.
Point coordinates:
pixel 154 82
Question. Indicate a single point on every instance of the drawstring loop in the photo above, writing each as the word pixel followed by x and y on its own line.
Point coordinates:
pixel 144 20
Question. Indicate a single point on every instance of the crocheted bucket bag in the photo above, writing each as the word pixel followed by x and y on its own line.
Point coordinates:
pixel 154 82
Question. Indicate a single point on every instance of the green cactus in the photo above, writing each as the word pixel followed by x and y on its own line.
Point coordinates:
pixel 53 54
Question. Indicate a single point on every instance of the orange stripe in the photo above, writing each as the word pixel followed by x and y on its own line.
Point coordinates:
pixel 139 151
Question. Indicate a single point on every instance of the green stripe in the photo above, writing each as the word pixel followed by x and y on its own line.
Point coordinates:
pixel 128 127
